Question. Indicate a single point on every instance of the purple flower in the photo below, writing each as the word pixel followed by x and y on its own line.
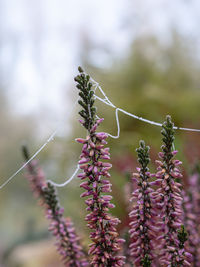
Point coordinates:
pixel 62 228
pixel 169 201
pixel 191 206
pixel 105 240
pixel 143 225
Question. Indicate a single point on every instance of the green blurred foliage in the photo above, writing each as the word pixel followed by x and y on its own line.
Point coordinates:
pixel 152 80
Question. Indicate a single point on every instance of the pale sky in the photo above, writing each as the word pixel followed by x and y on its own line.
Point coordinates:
pixel 40 41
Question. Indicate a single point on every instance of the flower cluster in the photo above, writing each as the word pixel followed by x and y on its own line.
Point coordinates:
pixel 61 227
pixel 35 176
pixel 143 226
pixel 106 242
pixel 105 239
pixel 191 206
pixel 157 231
pixel 170 198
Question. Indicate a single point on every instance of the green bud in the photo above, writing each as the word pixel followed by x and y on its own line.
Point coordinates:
pixel 80 69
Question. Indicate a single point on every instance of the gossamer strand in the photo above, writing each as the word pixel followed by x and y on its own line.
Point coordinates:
pixel 107 102
pixel 105 241
pixel 62 228
pixel 50 139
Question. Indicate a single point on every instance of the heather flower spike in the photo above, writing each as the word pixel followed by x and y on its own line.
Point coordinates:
pixel 35 176
pixel 143 226
pixel 62 228
pixel 105 241
pixel 87 100
pixel 191 206
pixel 170 201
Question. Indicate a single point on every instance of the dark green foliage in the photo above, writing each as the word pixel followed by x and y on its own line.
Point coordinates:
pixel 25 153
pixel 87 99
pixel 168 136
pixel 146 262
pixel 143 155
pixel 51 199
pixel 182 236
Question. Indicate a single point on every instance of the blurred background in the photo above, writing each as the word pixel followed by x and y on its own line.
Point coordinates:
pixel 146 56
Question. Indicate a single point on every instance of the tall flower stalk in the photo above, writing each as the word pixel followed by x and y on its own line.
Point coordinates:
pixel 62 228
pixel 143 214
pixel 173 252
pixel 105 241
pixel 191 206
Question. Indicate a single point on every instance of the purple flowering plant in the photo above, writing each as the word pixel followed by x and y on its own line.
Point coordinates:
pixel 164 218
pixel 67 241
